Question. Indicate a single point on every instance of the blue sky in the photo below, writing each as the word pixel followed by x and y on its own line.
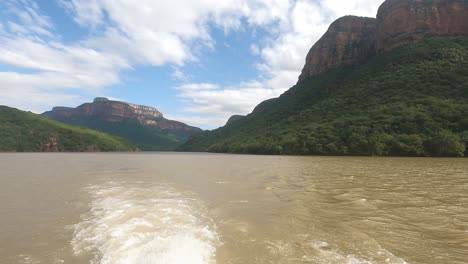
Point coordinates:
pixel 197 61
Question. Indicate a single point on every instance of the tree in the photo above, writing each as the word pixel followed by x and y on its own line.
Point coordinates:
pixel 464 138
pixel 447 144
pixel 408 145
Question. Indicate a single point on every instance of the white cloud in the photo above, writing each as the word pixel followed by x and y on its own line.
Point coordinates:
pixel 158 32
pixel 211 105
pixel 29 21
pixel 255 49
pixel 76 61
pixel 21 90
pixel 201 121
pixel 197 87
pixel 177 74
pixel 51 73
pixel 85 13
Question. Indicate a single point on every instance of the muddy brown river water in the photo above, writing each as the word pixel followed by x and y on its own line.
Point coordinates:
pixel 203 208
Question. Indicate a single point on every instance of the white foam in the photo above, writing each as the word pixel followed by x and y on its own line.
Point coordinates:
pixel 136 223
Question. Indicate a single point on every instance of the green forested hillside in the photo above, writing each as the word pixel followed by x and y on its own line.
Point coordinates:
pixel 147 138
pixel 412 101
pixel 25 131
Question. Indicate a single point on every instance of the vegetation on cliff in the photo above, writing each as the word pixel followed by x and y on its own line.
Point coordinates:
pixel 411 101
pixel 27 132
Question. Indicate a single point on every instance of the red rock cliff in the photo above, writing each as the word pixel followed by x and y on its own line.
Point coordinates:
pixel 349 40
pixel 403 21
pixel 102 107
pixel 353 40
pixel 114 112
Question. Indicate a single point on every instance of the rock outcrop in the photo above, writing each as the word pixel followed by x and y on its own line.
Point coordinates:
pixel 115 112
pixel 403 21
pixel 349 40
pixel 103 107
pixel 353 40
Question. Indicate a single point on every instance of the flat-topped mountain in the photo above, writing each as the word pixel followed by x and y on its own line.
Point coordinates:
pixel 112 111
pixel 354 40
pixel 144 126
pixel 396 85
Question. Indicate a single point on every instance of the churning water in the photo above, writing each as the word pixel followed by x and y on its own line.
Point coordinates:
pixel 144 223
pixel 228 209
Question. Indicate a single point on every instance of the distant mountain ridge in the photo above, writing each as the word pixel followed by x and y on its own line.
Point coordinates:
pixel 352 40
pixel 113 111
pixel 144 126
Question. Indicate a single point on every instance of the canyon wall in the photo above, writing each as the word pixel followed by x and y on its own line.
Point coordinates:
pixel 353 40
pixel 403 21
pixel 349 40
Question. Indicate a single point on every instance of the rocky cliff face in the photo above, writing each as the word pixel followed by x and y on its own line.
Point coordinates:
pixel 349 40
pixel 115 112
pixel 403 21
pixel 353 40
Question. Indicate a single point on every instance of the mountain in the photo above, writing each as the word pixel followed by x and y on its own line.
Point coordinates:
pixel 143 126
pixel 396 85
pixel 354 40
pixel 28 132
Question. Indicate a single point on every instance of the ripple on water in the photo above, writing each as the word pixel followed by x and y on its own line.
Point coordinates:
pixel 326 253
pixel 136 223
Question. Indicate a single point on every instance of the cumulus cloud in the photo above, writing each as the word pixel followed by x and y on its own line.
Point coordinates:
pixel 211 99
pixel 158 32
pixel 52 71
pixel 197 87
pixel 49 72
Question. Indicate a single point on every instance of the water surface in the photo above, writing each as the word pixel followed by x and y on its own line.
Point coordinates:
pixel 202 208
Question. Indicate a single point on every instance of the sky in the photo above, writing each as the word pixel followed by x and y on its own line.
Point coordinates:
pixel 197 61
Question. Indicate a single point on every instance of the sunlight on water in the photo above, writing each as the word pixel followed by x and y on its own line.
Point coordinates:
pixel 137 223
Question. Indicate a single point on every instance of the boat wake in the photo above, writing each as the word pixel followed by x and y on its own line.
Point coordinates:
pixel 137 223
